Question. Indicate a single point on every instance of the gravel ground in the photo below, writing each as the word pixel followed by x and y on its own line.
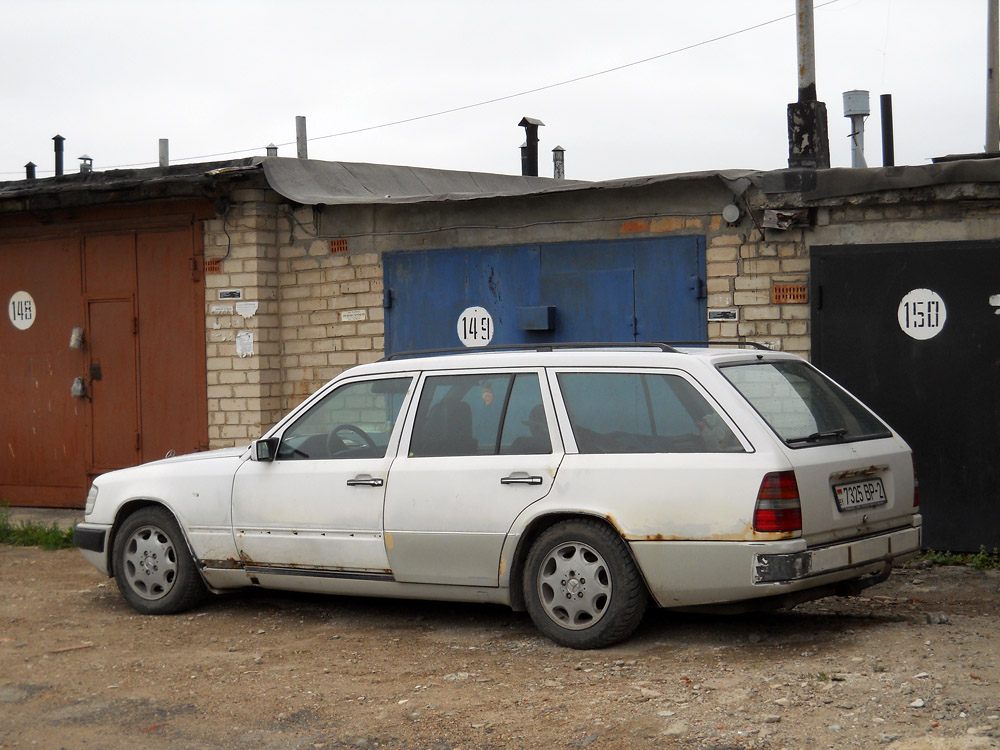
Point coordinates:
pixel 914 665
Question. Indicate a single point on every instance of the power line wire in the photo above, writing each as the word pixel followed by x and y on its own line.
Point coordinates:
pixel 494 100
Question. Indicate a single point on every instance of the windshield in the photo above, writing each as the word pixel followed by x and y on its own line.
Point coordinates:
pixel 802 405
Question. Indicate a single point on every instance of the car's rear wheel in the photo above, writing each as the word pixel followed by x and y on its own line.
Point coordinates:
pixel 152 565
pixel 581 585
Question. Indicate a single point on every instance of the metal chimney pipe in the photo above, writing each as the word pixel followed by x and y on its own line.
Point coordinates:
pixel 59 154
pixel 808 139
pixel 806 48
pixel 29 170
pixel 559 162
pixel 888 146
pixel 301 141
pixel 529 157
pixel 993 78
pixel 856 108
pixel 164 152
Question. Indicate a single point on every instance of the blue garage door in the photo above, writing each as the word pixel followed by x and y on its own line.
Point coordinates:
pixel 635 290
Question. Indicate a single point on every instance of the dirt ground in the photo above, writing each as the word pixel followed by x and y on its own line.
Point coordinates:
pixel 915 665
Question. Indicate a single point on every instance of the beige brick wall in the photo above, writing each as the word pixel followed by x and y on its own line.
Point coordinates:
pixel 318 313
pixel 243 391
pixel 741 266
pixel 320 306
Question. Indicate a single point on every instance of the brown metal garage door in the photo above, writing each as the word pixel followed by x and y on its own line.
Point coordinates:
pixel 135 287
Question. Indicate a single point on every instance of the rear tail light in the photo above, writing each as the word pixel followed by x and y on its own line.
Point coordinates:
pixel 778 507
pixel 916 485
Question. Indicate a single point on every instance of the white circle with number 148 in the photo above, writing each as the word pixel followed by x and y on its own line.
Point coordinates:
pixel 922 314
pixel 21 310
pixel 475 327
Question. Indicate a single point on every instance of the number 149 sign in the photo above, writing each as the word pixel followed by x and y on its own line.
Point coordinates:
pixel 475 327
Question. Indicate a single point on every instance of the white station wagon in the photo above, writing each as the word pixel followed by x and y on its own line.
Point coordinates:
pixel 583 484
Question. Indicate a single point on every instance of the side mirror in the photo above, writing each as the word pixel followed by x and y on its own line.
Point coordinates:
pixel 265 450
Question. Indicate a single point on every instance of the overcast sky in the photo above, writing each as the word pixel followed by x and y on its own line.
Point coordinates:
pixel 221 76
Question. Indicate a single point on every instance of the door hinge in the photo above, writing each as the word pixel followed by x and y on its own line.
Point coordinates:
pixel 138 441
pixel 195 274
pixel 135 326
pixel 819 296
pixel 696 287
pixel 387 298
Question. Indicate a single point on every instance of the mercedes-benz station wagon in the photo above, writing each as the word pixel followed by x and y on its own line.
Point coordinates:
pixel 582 484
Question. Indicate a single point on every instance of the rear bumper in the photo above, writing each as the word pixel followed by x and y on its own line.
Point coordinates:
pixel 822 561
pixel 696 573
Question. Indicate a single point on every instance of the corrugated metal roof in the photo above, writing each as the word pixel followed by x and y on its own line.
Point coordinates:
pixel 313 182
pixel 833 184
pixel 121 185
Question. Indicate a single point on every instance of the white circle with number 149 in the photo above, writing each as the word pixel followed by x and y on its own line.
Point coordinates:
pixel 922 314
pixel 475 327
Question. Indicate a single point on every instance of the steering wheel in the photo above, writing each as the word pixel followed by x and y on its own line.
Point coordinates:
pixel 335 444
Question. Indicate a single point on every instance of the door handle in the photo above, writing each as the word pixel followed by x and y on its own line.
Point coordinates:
pixel 520 478
pixel 365 481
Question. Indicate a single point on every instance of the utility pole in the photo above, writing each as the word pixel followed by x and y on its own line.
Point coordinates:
pixel 992 79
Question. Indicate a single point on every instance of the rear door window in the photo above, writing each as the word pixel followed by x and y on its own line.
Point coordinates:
pixel 801 405
pixel 631 412
pixel 480 415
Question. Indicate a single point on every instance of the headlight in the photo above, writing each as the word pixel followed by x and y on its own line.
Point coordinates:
pixel 91 500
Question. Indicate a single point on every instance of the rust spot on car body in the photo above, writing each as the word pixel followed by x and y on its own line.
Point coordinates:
pixel 866 472
pixel 746 534
pixel 230 563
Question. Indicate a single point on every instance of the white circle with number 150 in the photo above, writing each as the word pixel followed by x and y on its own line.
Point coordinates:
pixel 922 314
pixel 475 327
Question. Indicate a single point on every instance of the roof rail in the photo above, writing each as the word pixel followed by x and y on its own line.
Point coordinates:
pixel 754 344
pixel 546 347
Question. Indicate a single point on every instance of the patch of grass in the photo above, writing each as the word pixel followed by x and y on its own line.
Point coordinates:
pixel 982 560
pixel 27 534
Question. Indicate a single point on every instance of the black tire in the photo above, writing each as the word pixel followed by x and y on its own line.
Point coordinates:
pixel 581 585
pixel 152 565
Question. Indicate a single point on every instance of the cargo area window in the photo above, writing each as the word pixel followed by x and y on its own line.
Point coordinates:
pixel 642 413
pixel 801 405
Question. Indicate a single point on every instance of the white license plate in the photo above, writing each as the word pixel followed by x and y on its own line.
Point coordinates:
pixel 860 494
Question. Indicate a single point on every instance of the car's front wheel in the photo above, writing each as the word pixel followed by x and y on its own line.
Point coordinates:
pixel 152 565
pixel 581 585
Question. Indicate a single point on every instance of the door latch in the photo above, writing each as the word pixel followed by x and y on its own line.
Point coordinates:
pixel 79 388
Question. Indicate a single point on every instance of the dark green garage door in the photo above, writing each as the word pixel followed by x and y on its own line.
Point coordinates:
pixel 914 330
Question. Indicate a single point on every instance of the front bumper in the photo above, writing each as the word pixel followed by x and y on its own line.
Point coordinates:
pixel 697 573
pixel 92 539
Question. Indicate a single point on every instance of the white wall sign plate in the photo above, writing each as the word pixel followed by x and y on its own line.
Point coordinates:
pixel 922 314
pixel 21 310
pixel 475 327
